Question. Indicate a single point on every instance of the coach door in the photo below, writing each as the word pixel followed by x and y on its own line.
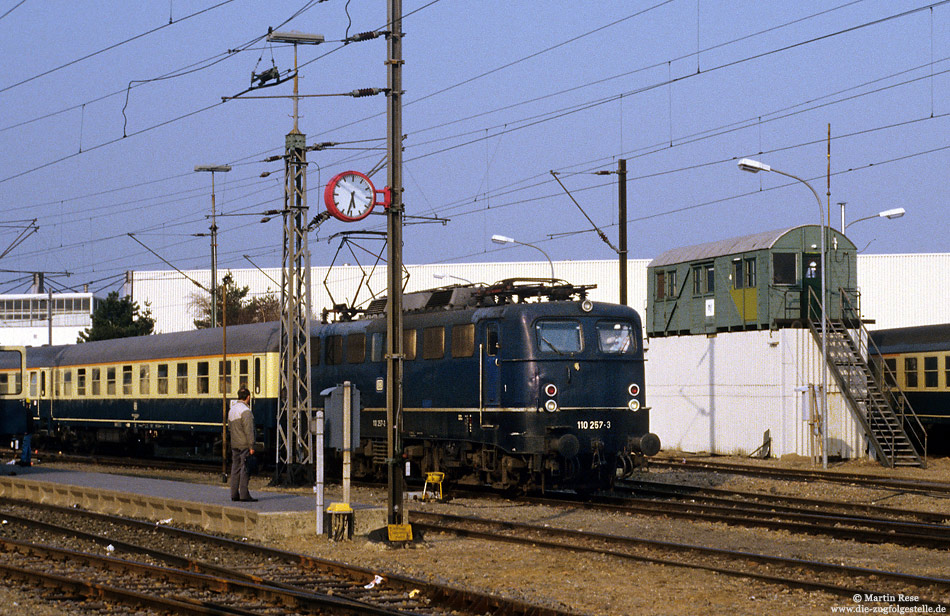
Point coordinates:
pixel 490 364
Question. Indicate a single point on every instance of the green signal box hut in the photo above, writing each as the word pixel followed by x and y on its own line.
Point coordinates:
pixel 755 282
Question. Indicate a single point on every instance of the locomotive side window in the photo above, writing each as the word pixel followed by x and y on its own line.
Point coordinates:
pixel 127 380
pixel 81 382
pixel 561 337
pixel 144 389
pixel 204 382
pixel 163 379
pixel 377 341
pixel 491 339
pixel 910 372
pixel 182 381
pixel 615 337
pixel 433 342
pixel 334 350
pixel 463 340
pixel 355 348
pixel 409 343
pixel 931 374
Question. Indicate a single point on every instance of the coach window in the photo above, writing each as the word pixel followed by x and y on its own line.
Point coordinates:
pixel 491 339
pixel 243 366
pixel 143 380
pixel 910 372
pixel 355 348
pixel 80 381
pixel 660 286
pixel 784 267
pixel 463 340
pixel 409 343
pixel 34 384
pixel 946 370
pixel 68 382
pixel 94 381
pixel 181 386
pixel 561 337
pixel 126 380
pixel 43 384
pixel 203 378
pixel 433 342
pixel 931 372
pixel 162 378
pixel 110 381
pixel 224 376
pixel 334 350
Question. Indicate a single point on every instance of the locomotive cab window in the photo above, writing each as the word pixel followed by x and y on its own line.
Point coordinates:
pixel 561 337
pixel 492 342
pixel 615 337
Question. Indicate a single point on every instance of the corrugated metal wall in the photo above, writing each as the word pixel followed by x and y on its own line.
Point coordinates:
pixel 896 290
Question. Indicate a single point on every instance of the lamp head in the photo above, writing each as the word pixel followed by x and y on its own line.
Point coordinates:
pixel 894 213
pixel 501 239
pixel 213 168
pixel 296 38
pixel 753 166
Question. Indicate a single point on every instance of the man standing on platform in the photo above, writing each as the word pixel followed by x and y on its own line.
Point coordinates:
pixel 241 428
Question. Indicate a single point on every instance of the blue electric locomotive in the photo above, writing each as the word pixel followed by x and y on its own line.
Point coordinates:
pixel 499 386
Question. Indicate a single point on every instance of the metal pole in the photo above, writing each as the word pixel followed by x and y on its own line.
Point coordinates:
pixel 214 259
pixel 622 199
pixel 224 388
pixel 396 510
pixel 824 324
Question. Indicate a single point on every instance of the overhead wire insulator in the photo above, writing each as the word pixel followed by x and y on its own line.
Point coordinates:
pixel 364 36
pixel 271 159
pixel 361 92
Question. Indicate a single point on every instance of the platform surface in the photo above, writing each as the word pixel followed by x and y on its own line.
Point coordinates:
pixel 206 505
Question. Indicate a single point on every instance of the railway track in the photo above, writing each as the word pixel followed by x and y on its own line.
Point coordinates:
pixel 933 488
pixel 837 579
pixel 192 571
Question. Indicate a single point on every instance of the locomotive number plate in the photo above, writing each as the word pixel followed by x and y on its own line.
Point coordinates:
pixel 593 425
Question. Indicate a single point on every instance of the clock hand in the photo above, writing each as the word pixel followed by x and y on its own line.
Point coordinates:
pixel 349 210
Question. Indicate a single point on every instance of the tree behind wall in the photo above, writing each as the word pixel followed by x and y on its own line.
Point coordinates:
pixel 118 317
pixel 240 310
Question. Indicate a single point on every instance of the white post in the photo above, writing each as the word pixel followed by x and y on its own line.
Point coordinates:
pixel 318 488
pixel 347 414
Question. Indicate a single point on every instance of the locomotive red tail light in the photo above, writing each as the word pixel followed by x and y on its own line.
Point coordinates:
pixel 550 389
pixel 634 389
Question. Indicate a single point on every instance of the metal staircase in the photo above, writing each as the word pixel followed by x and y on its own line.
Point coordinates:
pixel 893 429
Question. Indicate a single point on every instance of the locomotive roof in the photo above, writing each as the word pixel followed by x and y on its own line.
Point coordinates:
pixel 920 339
pixel 253 338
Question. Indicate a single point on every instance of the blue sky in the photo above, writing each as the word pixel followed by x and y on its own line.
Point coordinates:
pixel 498 94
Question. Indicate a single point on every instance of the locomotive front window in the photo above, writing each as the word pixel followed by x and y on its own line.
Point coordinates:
pixel 561 337
pixel 615 337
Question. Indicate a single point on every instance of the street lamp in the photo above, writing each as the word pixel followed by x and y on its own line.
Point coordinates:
pixel 214 315
pixel 889 214
pixel 295 38
pixel 441 276
pixel 754 166
pixel 501 239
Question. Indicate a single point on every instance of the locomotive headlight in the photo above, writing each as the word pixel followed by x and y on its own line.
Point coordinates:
pixel 550 389
pixel 587 305
pixel 634 389
pixel 634 405
pixel 550 406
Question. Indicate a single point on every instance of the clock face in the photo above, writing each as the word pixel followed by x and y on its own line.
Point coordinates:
pixel 350 196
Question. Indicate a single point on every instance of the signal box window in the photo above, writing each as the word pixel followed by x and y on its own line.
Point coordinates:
pixel 463 340
pixel 355 348
pixel 931 373
pixel 163 379
pixel 615 337
pixel 743 273
pixel 182 382
pixel 433 343
pixel 561 337
pixel 704 279
pixel 784 268
pixel 910 372
pixel 661 285
pixel 334 350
